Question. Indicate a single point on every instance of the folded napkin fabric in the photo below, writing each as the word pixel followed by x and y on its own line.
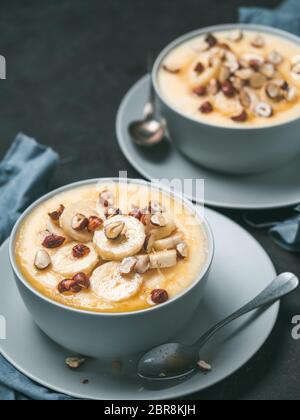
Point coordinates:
pixel 25 173
pixel 286 16
pixel 24 176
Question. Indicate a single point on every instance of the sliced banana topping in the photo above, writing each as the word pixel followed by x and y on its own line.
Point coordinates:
pixel 161 232
pixel 168 243
pixel 227 106
pixel 109 284
pixel 163 259
pixel 55 229
pixel 128 244
pixel 65 263
pixel 275 58
pixel 69 220
pixel 143 264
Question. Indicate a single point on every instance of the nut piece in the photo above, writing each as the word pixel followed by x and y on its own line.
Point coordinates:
pixel 53 241
pixel 245 99
pixel 182 250
pixel 242 117
pixel 199 68
pixel 143 264
pixel 236 35
pixel 114 230
pixel 257 80
pixel 268 70
pixel 111 212
pixel 79 222
pixel 206 108
pixel 258 42
pixel 82 280
pixel 42 260
pixel 237 83
pixel 224 74
pixel 211 40
pixel 228 89
pixel 149 243
pixel 204 367
pixel 74 362
pixel 136 212
pixel 200 91
pixel 75 285
pixel 158 220
pixel 244 74
pixel 169 70
pixel 274 92
pixel 55 215
pixel 275 58
pixel 163 259
pixel 106 198
pixel 94 224
pixel 80 251
pixel 213 87
pixel 155 207
pixel 168 243
pixel 68 286
pixel 159 296
pixel 296 71
pixel 127 265
pixel 292 94
pixel 264 110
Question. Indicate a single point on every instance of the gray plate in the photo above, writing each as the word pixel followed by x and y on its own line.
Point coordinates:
pixel 280 188
pixel 234 281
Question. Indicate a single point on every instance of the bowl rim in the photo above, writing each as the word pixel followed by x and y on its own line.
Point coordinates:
pixel 204 270
pixel 215 29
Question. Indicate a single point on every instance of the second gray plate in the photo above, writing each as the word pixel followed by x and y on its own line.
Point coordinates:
pixel 280 188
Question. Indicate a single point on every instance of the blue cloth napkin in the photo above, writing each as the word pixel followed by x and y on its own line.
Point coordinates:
pixel 25 173
pixel 286 16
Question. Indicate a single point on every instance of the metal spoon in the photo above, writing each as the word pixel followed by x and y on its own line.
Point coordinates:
pixel 151 130
pixel 174 360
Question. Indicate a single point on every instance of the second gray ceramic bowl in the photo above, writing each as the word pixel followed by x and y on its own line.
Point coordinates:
pixel 110 335
pixel 225 149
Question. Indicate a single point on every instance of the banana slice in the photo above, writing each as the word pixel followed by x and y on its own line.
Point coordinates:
pixel 164 231
pixel 86 208
pixel 108 283
pixel 55 229
pixel 227 106
pixel 211 72
pixel 129 243
pixel 64 263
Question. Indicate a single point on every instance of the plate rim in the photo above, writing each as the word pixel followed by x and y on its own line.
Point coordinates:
pixel 214 203
pixel 174 395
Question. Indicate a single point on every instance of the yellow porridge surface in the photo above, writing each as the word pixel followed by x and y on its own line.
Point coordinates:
pixel 234 77
pixel 167 235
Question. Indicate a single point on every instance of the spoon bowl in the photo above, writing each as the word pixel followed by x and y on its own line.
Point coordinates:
pixel 175 361
pixel 169 361
pixel 148 132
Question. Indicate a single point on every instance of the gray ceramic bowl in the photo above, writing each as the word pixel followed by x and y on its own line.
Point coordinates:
pixel 110 336
pixel 225 149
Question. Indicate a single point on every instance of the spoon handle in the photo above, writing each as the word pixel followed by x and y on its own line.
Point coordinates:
pixel 281 286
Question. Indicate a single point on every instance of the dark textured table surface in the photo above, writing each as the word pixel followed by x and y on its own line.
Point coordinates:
pixel 69 63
